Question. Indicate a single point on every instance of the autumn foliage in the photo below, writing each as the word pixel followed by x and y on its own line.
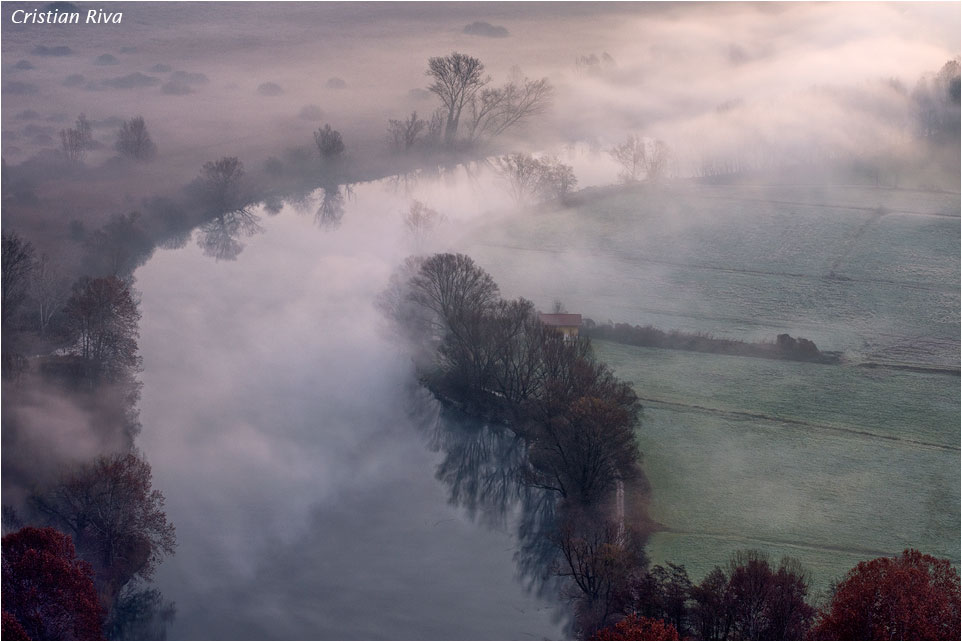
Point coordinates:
pixel 48 593
pixel 634 627
pixel 115 516
pixel 909 597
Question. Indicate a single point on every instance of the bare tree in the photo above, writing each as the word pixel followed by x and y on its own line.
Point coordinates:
pixel 600 562
pixel 221 185
pixel 457 79
pixel 656 160
pixel 101 321
pixel 495 110
pixel 459 298
pixel 435 127
pixel 329 142
pixel 517 335
pixel 530 178
pixel 134 141
pixel 18 262
pixel 584 450
pixel 557 179
pixel 523 174
pixel 223 192
pixel 420 221
pixel 77 140
pixel 331 210
pixel 631 155
pixel 402 134
pixel 49 288
pixel 453 287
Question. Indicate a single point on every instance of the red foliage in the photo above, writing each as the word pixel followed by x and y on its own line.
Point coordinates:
pixel 47 592
pixel 115 517
pixel 12 629
pixel 638 628
pixel 910 597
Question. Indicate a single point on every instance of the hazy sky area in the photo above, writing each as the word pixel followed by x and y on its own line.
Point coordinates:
pixel 193 70
pixel 302 464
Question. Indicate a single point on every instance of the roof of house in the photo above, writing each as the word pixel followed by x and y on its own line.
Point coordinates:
pixel 560 319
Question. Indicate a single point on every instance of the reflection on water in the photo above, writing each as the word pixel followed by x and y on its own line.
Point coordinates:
pixel 219 237
pixel 331 211
pixel 483 467
pixel 307 501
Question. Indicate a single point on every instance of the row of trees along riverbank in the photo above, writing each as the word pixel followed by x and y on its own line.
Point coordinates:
pixel 70 329
pixel 494 359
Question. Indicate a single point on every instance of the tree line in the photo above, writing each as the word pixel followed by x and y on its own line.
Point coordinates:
pixel 910 596
pixel 100 522
pixel 494 359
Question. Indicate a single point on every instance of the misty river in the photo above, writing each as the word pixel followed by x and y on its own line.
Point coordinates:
pixel 801 178
pixel 316 488
pixel 298 458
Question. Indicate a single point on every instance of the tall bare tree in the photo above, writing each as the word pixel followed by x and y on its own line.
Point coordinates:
pixel 457 79
pixel 18 262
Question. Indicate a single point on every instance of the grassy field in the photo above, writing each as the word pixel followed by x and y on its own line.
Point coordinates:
pixel 873 280
pixel 830 464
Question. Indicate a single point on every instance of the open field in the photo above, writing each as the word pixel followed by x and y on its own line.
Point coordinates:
pixel 830 464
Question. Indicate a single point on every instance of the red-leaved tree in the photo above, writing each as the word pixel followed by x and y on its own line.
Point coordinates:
pixel 115 516
pixel 48 593
pixel 634 627
pixel 909 597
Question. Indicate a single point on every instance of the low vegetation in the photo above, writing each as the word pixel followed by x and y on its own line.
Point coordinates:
pixel 784 347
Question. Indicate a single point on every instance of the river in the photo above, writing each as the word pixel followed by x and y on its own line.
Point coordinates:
pixel 301 466
pixel 318 494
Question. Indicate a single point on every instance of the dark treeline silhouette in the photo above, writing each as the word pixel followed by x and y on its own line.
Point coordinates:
pixel 70 330
pixel 572 420
pixel 908 597
pixel 494 358
pixel 483 467
pixel 784 347
pixel 530 421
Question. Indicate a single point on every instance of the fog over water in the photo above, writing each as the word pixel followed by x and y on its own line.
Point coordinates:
pixel 294 452
pixel 706 77
pixel 317 490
